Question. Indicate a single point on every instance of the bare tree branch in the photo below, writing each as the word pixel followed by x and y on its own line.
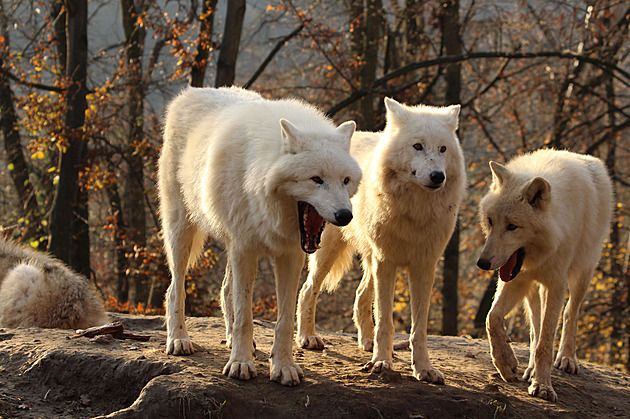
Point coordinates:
pixel 358 94
pixel 272 54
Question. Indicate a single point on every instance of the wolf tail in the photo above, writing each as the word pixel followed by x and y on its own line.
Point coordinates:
pixel 340 266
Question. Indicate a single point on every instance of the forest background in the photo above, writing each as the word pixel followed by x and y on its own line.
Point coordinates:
pixel 83 87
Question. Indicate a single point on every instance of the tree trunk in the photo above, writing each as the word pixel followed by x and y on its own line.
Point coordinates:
pixel 18 168
pixel 204 43
pixel 69 233
pixel 133 204
pixel 372 28
pixel 226 65
pixel 452 46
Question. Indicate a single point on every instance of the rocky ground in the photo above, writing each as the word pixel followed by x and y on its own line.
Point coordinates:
pixel 44 374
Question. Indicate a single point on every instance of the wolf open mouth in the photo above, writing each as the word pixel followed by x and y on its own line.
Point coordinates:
pixel 513 266
pixel 311 227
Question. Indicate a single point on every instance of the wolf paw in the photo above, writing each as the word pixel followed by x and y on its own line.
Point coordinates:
pixel 567 364
pixel 378 366
pixel 528 374
pixel 430 375
pixel 182 346
pixel 542 391
pixel 287 374
pixel 506 364
pixel 366 344
pixel 310 342
pixel 240 370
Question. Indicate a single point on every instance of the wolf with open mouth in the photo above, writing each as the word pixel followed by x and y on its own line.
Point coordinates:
pixel 263 177
pixel 545 218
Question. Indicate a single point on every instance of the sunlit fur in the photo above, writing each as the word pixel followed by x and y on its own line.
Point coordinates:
pixel 561 206
pixel 234 166
pixel 399 222
pixel 37 290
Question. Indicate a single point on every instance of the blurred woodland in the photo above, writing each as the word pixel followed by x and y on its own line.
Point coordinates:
pixel 83 86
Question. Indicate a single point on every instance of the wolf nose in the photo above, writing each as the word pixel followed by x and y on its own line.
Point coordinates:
pixel 343 217
pixel 437 177
pixel 484 264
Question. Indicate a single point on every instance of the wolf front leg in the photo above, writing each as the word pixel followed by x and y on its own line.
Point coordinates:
pixel 552 305
pixel 384 277
pixel 227 304
pixel 532 306
pixel 507 296
pixel 421 279
pixel 566 359
pixel 283 368
pixel 241 363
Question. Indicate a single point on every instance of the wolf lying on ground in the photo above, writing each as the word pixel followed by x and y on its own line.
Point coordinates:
pixel 261 176
pixel 545 217
pixel 37 290
pixel 414 181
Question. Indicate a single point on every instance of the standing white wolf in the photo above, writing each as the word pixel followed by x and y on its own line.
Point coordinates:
pixel 545 217
pixel 234 167
pixel 37 290
pixel 405 211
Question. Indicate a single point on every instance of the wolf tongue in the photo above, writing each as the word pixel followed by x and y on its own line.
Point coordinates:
pixel 313 221
pixel 505 273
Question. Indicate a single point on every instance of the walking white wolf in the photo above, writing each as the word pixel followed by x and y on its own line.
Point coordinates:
pixel 234 167
pixel 37 290
pixel 413 184
pixel 545 217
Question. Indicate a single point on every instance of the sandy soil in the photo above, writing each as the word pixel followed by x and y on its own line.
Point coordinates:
pixel 43 373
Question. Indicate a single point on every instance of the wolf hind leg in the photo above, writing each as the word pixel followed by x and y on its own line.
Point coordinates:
pixel 182 243
pixel 566 359
pixel 363 304
pixel 320 265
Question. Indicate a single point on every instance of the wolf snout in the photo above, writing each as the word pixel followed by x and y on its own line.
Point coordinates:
pixel 343 217
pixel 437 177
pixel 484 264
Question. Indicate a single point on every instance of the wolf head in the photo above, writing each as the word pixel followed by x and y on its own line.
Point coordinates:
pixel 317 171
pixel 421 143
pixel 512 216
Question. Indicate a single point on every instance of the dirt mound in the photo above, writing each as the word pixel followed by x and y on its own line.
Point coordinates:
pixel 45 374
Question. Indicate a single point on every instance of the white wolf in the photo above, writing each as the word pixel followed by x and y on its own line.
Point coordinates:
pixel 545 217
pixel 234 167
pixel 37 290
pixel 405 211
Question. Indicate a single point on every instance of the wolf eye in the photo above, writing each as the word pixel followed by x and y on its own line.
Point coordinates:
pixel 417 146
pixel 442 149
pixel 511 227
pixel 317 180
pixel 346 180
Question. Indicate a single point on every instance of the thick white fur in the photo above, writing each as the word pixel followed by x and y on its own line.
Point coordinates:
pixel 399 222
pixel 234 166
pixel 37 290
pixel 561 204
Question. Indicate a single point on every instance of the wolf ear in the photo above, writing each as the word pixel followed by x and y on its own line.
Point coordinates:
pixel 537 192
pixel 395 110
pixel 345 132
pixel 452 114
pixel 289 136
pixel 499 173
